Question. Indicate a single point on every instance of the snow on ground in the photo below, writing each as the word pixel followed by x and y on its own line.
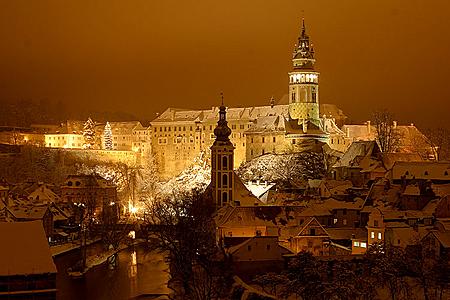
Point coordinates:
pixel 196 177
pixel 63 248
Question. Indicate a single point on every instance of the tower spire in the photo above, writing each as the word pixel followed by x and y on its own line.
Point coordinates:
pixel 303 26
pixel 222 131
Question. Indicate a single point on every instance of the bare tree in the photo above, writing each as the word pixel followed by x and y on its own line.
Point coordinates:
pixel 387 135
pixel 439 140
pixel 182 227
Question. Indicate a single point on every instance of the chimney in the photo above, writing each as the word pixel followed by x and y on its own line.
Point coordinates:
pixel 368 127
pixel 347 132
pixel 394 123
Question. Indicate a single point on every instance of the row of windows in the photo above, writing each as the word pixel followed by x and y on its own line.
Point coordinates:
pixel 360 244
pixel 308 78
pixel 337 140
pixel 169 128
pixel 191 128
pixel 265 139
pixel 426 173
pixel 372 235
pixel 54 138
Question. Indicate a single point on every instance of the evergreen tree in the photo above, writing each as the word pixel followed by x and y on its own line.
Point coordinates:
pixel 107 135
pixel 89 134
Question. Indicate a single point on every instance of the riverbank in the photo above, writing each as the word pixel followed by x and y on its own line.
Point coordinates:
pixel 67 247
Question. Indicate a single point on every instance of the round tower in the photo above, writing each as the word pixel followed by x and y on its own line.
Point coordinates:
pixel 304 82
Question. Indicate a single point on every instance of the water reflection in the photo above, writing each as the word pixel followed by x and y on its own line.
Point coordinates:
pixel 122 282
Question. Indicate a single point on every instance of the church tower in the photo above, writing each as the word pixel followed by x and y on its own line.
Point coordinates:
pixel 304 83
pixel 222 162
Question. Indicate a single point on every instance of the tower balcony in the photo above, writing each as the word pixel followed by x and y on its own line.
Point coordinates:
pixel 304 77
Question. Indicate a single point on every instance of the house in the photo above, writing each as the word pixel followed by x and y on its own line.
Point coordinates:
pixel 92 190
pixel 410 139
pixel 258 255
pixel 258 249
pixel 44 195
pixel 359 164
pixel 437 243
pixel 345 213
pixel 27 270
pixel 312 237
pixel 326 188
pixel 351 238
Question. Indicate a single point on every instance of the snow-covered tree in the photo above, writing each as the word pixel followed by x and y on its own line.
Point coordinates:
pixel 89 134
pixel 107 135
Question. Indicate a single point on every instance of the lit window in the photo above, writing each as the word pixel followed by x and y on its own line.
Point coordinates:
pixel 356 244
pixel 379 235
pixel 335 221
pixel 372 235
pixel 344 221
pixel 363 244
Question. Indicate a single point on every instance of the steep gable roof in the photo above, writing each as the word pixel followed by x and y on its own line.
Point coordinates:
pixel 312 223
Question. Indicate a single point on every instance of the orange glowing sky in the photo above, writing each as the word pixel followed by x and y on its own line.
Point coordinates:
pixel 142 56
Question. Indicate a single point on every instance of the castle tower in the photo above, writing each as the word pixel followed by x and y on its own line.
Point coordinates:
pixel 222 166
pixel 304 83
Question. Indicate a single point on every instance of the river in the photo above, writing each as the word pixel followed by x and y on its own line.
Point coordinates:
pixel 137 272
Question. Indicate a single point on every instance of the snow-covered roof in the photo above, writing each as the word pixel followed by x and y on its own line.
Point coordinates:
pixel 357 149
pixel 389 159
pixel 333 204
pixel 24 249
pixel 268 124
pixel 28 212
pixel 259 188
pixel 43 195
pixel 421 170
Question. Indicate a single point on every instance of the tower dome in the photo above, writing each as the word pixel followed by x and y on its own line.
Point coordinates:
pixel 222 131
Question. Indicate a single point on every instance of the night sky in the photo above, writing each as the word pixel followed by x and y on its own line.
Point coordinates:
pixel 144 56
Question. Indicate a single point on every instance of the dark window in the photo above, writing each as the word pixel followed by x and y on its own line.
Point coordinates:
pixel 263 139
pixel 375 223
pixel 224 162
pixel 312 231
pixel 268 247
pixel 224 197
pixel 249 248
pixel 274 139
pixel 224 179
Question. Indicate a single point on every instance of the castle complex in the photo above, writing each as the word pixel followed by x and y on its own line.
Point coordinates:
pixel 179 135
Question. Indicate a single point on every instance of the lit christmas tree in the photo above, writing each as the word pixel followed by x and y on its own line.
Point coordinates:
pixel 107 135
pixel 89 134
